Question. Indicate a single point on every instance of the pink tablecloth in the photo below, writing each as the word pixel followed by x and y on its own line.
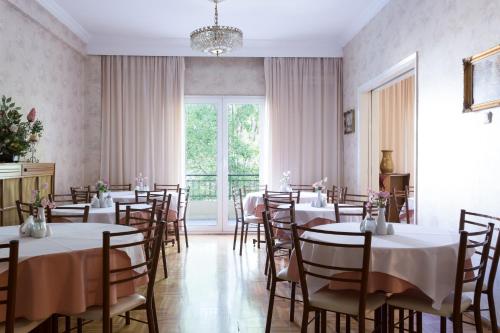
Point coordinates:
pixel 63 273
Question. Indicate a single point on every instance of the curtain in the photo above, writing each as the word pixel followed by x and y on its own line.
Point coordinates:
pixel 304 110
pixel 396 104
pixel 142 103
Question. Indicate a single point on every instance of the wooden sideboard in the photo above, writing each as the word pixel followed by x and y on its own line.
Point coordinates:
pixel 17 181
pixel 390 181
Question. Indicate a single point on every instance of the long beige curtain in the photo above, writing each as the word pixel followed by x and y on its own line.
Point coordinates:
pixel 304 108
pixel 396 104
pixel 142 102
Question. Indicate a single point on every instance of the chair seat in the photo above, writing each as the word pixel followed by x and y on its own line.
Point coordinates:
pixel 283 274
pixel 123 305
pixel 421 304
pixel 283 244
pixel 344 301
pixel 22 325
pixel 253 219
pixel 470 287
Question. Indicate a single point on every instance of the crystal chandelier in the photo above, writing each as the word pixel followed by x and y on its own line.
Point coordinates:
pixel 216 39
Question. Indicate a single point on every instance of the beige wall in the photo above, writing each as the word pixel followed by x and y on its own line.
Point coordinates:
pixel 458 155
pixel 225 76
pixel 41 66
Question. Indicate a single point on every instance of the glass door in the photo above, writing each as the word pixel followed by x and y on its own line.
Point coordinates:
pixel 222 152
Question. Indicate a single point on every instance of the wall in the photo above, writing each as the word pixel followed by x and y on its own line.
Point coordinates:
pixel 458 155
pixel 225 76
pixel 41 65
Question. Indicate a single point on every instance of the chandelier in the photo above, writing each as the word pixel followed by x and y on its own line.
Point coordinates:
pixel 216 39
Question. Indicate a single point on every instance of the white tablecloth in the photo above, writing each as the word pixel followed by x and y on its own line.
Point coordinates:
pixel 425 257
pixel 98 215
pixel 129 196
pixel 305 213
pixel 255 199
pixel 68 237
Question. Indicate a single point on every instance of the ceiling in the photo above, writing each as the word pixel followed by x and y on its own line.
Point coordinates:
pixel 162 27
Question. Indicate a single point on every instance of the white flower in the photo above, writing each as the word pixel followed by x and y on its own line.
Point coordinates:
pixel 13 128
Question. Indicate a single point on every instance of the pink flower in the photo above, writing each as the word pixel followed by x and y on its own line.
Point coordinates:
pixel 45 186
pixel 45 202
pixel 31 115
pixel 384 195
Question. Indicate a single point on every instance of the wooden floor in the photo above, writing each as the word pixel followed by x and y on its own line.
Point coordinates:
pixel 210 288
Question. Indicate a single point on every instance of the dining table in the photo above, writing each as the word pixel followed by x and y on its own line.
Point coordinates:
pixel 415 258
pixel 305 213
pixel 253 203
pixel 62 273
pixel 129 197
pixel 98 215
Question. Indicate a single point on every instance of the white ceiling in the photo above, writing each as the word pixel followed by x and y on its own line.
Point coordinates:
pixel 162 27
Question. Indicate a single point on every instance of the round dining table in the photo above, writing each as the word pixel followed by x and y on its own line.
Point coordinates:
pixel 129 197
pixel 414 258
pixel 98 215
pixel 305 213
pixel 62 273
pixel 253 203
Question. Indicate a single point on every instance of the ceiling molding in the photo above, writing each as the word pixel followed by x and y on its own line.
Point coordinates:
pixel 181 47
pixel 65 18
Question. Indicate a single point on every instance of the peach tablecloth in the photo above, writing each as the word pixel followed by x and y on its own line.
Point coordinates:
pixel 99 215
pixel 415 257
pixel 63 273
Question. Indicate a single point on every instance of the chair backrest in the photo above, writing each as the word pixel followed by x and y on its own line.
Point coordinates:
pixel 120 187
pixel 80 195
pixel 239 212
pixel 304 188
pixel 333 240
pixel 23 209
pixel 479 241
pixel 61 199
pixel 8 291
pixel 162 206
pixel 182 203
pixel 168 187
pixel 160 196
pixel 400 203
pixel 470 221
pixel 355 199
pixel 280 216
pixel 113 276
pixel 68 214
pixel 336 194
pixel 140 218
pixel 294 195
pixel 349 210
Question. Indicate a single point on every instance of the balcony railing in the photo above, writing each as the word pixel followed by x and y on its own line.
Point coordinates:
pixel 204 187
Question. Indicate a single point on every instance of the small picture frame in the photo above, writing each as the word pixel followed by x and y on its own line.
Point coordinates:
pixel 349 124
pixel 482 80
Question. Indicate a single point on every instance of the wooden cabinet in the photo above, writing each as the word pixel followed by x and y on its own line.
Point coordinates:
pixel 390 181
pixel 17 181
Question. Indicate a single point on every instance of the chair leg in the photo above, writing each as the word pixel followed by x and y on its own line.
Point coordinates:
pixel 317 319
pixel 67 324
pixel 493 314
pixel 419 322
pixel 127 318
pixel 270 307
pixel 246 233
pixel 401 320
pixel 258 236
pixel 164 259
pixel 177 237
pixel 383 319
pixel 442 327
pixel 337 322
pixel 157 330
pixel 305 320
pixel 292 302
pixel 457 324
pixel 79 325
pixel 377 320
pixel 348 324
pixel 241 237
pixel 185 233
pixel 323 321
pixel 266 267
pixel 55 323
pixel 410 321
pixel 391 319
pixel 477 318
pixel 235 234
pixel 151 319
pixel 268 280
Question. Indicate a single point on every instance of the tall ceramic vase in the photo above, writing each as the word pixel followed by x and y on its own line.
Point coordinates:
pixel 386 165
pixel 381 228
pixel 39 228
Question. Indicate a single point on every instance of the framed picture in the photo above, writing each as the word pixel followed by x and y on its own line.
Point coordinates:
pixel 482 80
pixel 349 121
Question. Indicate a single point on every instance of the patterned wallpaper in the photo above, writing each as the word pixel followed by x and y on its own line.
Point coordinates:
pixel 39 69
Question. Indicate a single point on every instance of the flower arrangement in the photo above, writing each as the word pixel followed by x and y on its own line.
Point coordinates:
pixel 39 201
pixel 16 135
pixel 320 184
pixel 285 182
pixel 141 182
pixel 377 199
pixel 101 186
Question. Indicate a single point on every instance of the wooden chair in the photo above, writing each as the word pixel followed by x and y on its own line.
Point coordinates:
pixel 8 295
pixel 120 187
pixel 80 214
pixel 140 218
pixel 276 274
pixel 470 220
pixel 344 210
pixel 112 276
pixel 304 188
pixel 182 205
pixel 61 199
pixel 294 195
pixel 244 220
pixel 168 187
pixel 23 209
pixel 336 194
pixel 456 303
pixel 80 195
pixel 400 204
pixel 162 209
pixel 356 199
pixel 352 303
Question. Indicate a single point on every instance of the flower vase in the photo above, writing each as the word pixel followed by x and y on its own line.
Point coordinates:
pixel 319 199
pixel 381 228
pixel 102 200
pixel 39 228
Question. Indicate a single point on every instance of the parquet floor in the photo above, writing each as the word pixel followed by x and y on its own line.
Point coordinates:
pixel 211 289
